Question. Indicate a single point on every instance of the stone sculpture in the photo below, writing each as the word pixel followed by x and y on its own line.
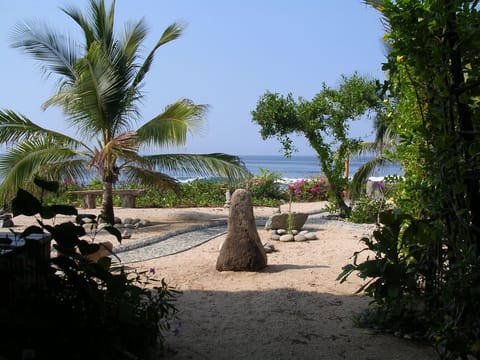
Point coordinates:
pixel 242 249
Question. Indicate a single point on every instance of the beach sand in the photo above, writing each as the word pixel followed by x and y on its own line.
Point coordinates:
pixel 293 309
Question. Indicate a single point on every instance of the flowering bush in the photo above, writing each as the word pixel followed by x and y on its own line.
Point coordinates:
pixel 313 189
pixel 265 186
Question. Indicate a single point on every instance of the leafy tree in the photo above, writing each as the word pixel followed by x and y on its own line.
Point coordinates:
pixel 100 89
pixel 324 121
pixel 434 72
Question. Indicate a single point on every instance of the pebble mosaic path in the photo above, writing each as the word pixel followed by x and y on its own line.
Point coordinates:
pixel 173 243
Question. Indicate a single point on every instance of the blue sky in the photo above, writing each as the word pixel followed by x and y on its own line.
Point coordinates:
pixel 230 54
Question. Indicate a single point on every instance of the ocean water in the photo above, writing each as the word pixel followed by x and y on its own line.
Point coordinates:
pixel 294 168
pixel 303 167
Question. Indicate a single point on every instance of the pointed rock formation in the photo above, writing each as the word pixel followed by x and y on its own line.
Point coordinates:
pixel 242 249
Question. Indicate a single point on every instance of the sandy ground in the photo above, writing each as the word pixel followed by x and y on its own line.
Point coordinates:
pixel 293 309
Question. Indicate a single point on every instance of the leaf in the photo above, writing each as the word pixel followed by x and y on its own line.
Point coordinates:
pixel 65 235
pixel 31 230
pixel 47 212
pixel 25 204
pixel 371 268
pixel 114 231
pixel 105 262
pixel 51 186
pixel 64 209
pixel 87 248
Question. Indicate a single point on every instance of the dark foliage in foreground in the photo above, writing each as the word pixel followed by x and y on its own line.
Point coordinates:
pixel 81 309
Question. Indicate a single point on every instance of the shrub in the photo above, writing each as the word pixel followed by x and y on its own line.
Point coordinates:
pixel 394 275
pixel 265 186
pixel 97 310
pixel 312 189
pixel 203 193
pixel 366 210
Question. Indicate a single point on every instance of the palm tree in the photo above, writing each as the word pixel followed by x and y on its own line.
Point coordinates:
pixel 100 83
pixel 383 147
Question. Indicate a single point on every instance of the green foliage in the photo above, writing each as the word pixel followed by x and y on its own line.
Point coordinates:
pixel 203 193
pixel 393 275
pixel 366 210
pixel 265 186
pixel 434 77
pixel 324 121
pixel 368 207
pixel 100 310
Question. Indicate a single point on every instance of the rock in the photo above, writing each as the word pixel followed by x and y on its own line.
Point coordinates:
pixel 128 221
pixel 117 220
pixel 276 221
pixel 126 235
pixel 89 226
pixel 268 247
pixel 242 249
pixel 299 220
pixel 129 226
pixel 299 237
pixel 286 237
pixel 85 218
pixel 144 223
pixel 102 225
pixel 311 236
pixel 294 232
pixel 6 221
pixel 274 236
pixel 281 221
pixel 281 231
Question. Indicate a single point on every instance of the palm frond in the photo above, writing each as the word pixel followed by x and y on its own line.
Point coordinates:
pixel 367 148
pixel 170 128
pixel 75 168
pixel 363 173
pixel 55 51
pixel 203 165
pixel 378 5
pixel 133 37
pixel 158 180
pixel 122 146
pixel 171 33
pixel 19 165
pixel 95 101
pixel 98 25
pixel 15 128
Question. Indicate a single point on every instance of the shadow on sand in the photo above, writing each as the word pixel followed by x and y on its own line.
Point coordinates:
pixel 280 324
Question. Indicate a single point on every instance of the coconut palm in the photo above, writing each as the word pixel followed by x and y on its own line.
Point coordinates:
pixel 383 147
pixel 100 83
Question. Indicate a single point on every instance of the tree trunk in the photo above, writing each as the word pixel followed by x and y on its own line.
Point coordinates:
pixel 107 202
pixel 346 174
pixel 345 210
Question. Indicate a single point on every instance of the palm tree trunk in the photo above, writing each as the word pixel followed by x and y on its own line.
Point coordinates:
pixel 107 202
